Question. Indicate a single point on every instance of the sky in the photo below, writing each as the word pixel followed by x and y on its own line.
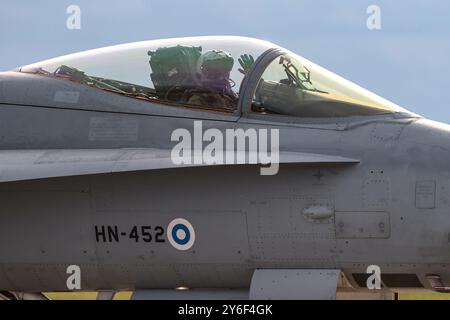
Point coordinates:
pixel 406 61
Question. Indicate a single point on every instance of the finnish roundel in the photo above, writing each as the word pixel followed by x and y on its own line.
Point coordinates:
pixel 181 234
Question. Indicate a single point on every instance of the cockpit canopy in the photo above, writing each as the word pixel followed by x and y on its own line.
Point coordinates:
pixel 208 72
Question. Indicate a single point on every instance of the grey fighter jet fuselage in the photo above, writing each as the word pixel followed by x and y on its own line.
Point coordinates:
pixel 87 179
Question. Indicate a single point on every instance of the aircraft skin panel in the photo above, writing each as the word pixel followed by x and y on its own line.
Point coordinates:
pixel 282 230
pixel 17 165
pixel 260 225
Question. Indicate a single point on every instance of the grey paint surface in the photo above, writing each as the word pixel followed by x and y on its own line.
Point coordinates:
pixel 284 284
pixel 101 160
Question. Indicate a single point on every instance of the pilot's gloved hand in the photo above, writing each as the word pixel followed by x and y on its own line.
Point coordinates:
pixel 246 61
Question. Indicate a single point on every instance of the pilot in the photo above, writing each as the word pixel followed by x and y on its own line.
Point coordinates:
pixel 215 85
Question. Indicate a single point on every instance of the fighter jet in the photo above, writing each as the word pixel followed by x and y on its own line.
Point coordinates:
pixel 218 168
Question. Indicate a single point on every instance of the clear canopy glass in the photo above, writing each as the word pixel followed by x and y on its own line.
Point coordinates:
pixel 207 72
pixel 162 70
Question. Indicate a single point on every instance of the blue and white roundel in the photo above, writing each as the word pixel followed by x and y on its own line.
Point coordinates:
pixel 181 234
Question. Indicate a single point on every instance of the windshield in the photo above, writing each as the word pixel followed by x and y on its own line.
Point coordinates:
pixel 204 72
pixel 294 86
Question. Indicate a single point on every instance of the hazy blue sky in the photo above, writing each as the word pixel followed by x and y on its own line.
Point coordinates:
pixel 407 61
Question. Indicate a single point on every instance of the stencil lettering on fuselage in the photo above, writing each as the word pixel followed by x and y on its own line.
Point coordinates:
pixel 113 129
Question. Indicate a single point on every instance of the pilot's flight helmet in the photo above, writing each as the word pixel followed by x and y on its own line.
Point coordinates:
pixel 216 64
